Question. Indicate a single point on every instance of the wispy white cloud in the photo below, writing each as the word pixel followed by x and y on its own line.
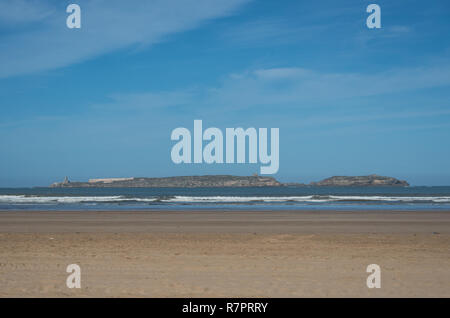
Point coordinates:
pixel 271 31
pixel 299 86
pixel 357 117
pixel 148 100
pixel 292 87
pixel 106 26
pixel 399 29
pixel 385 34
pixel 289 88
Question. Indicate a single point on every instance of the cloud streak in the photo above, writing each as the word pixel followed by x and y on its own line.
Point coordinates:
pixel 261 91
pixel 106 26
pixel 300 86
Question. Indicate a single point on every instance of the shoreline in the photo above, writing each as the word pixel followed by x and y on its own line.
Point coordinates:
pixel 224 221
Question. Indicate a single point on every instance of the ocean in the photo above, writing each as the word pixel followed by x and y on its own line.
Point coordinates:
pixel 293 198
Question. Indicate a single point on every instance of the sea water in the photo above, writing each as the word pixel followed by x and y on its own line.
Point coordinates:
pixel 307 197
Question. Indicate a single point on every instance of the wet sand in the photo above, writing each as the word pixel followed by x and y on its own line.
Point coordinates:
pixel 225 253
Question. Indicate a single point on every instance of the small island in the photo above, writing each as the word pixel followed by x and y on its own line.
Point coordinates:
pixel 219 181
pixel 361 181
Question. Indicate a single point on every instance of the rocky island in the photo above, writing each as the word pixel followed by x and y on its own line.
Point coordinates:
pixel 361 181
pixel 209 181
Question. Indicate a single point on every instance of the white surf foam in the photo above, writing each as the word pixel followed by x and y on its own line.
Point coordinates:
pixel 24 199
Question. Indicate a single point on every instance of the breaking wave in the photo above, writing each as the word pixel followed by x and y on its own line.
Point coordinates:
pixel 120 199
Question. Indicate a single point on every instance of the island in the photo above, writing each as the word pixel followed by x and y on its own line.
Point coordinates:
pixel 208 181
pixel 361 181
pixel 219 181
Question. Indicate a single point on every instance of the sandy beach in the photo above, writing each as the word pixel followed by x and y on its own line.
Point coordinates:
pixel 225 253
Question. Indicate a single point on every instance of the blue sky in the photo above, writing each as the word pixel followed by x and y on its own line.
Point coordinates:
pixel 102 101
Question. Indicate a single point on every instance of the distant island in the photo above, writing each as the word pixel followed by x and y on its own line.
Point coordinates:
pixel 361 181
pixel 218 181
pixel 208 181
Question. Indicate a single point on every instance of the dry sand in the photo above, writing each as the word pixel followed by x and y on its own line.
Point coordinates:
pixel 225 254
